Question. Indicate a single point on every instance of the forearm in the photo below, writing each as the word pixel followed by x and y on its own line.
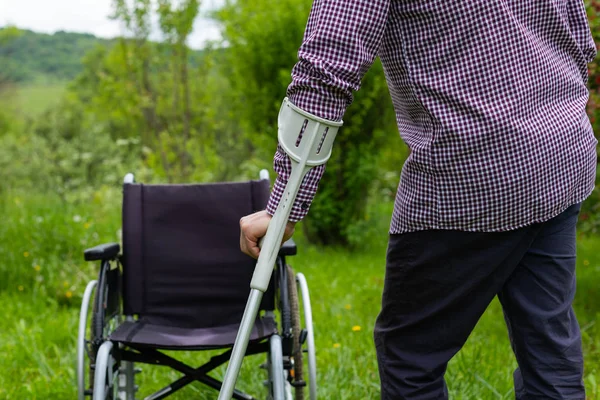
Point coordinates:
pixel 306 193
pixel 340 44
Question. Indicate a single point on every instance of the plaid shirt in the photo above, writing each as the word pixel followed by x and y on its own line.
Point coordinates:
pixel 489 95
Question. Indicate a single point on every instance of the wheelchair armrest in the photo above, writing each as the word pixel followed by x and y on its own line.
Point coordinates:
pixel 107 251
pixel 288 248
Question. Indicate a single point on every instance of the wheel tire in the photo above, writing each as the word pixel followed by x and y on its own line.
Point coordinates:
pixel 310 340
pixel 83 361
pixel 297 356
pixel 106 376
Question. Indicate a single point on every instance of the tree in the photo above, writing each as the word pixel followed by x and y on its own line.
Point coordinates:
pixel 590 213
pixel 10 72
pixel 177 23
pixel 9 75
pixel 156 92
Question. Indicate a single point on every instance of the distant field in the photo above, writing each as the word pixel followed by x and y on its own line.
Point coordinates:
pixel 32 100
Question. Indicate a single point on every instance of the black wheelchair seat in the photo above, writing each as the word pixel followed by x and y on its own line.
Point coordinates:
pixel 142 334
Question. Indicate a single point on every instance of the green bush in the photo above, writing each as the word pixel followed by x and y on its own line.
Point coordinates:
pixel 593 10
pixel 66 154
pixel 590 214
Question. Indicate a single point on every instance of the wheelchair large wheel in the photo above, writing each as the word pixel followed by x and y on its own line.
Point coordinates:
pixel 310 336
pixel 82 341
pixel 106 377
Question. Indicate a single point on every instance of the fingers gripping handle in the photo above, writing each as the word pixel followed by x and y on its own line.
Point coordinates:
pixel 274 236
pixel 307 140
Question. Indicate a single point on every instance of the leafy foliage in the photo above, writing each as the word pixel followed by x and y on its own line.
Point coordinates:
pixel 593 11
pixel 66 155
pixel 590 215
pixel 7 93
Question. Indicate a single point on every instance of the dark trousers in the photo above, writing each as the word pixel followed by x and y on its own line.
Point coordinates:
pixel 439 283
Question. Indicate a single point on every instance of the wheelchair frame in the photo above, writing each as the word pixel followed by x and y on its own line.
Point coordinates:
pixel 111 368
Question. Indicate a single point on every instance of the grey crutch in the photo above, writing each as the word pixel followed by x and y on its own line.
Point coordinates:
pixel 307 140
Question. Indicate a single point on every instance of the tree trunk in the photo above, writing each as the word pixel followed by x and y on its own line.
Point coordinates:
pixel 186 106
pixel 150 115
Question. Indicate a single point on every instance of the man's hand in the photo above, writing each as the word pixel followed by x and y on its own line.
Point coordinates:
pixel 253 227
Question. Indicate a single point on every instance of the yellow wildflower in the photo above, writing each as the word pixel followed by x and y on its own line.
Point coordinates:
pixel 69 294
pixel 26 254
pixel 21 288
pixel 347 306
pixel 87 225
pixel 37 268
pixel 586 262
pixel 336 345
pixel 355 328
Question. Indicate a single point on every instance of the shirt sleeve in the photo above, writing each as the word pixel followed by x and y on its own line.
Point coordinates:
pixel 341 41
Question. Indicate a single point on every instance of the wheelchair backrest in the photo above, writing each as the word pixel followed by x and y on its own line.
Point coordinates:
pixel 182 265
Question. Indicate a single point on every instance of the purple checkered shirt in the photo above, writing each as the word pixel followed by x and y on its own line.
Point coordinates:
pixel 489 95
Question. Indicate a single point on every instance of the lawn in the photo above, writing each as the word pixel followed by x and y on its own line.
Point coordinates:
pixel 32 100
pixel 42 276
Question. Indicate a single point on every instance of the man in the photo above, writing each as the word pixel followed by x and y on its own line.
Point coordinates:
pixel 490 97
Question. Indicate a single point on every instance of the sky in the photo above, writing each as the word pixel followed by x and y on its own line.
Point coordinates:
pixel 89 16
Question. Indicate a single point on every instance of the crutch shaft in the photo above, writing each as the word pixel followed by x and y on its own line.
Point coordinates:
pixel 241 344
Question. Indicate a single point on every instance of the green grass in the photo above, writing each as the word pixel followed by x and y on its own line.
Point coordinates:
pixel 33 100
pixel 42 276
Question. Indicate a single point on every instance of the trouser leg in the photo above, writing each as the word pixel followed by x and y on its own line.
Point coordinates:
pixel 537 301
pixel 437 286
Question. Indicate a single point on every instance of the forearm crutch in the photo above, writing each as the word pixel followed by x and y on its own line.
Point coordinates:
pixel 307 140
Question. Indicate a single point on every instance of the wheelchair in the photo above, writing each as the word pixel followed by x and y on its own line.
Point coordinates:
pixel 181 283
